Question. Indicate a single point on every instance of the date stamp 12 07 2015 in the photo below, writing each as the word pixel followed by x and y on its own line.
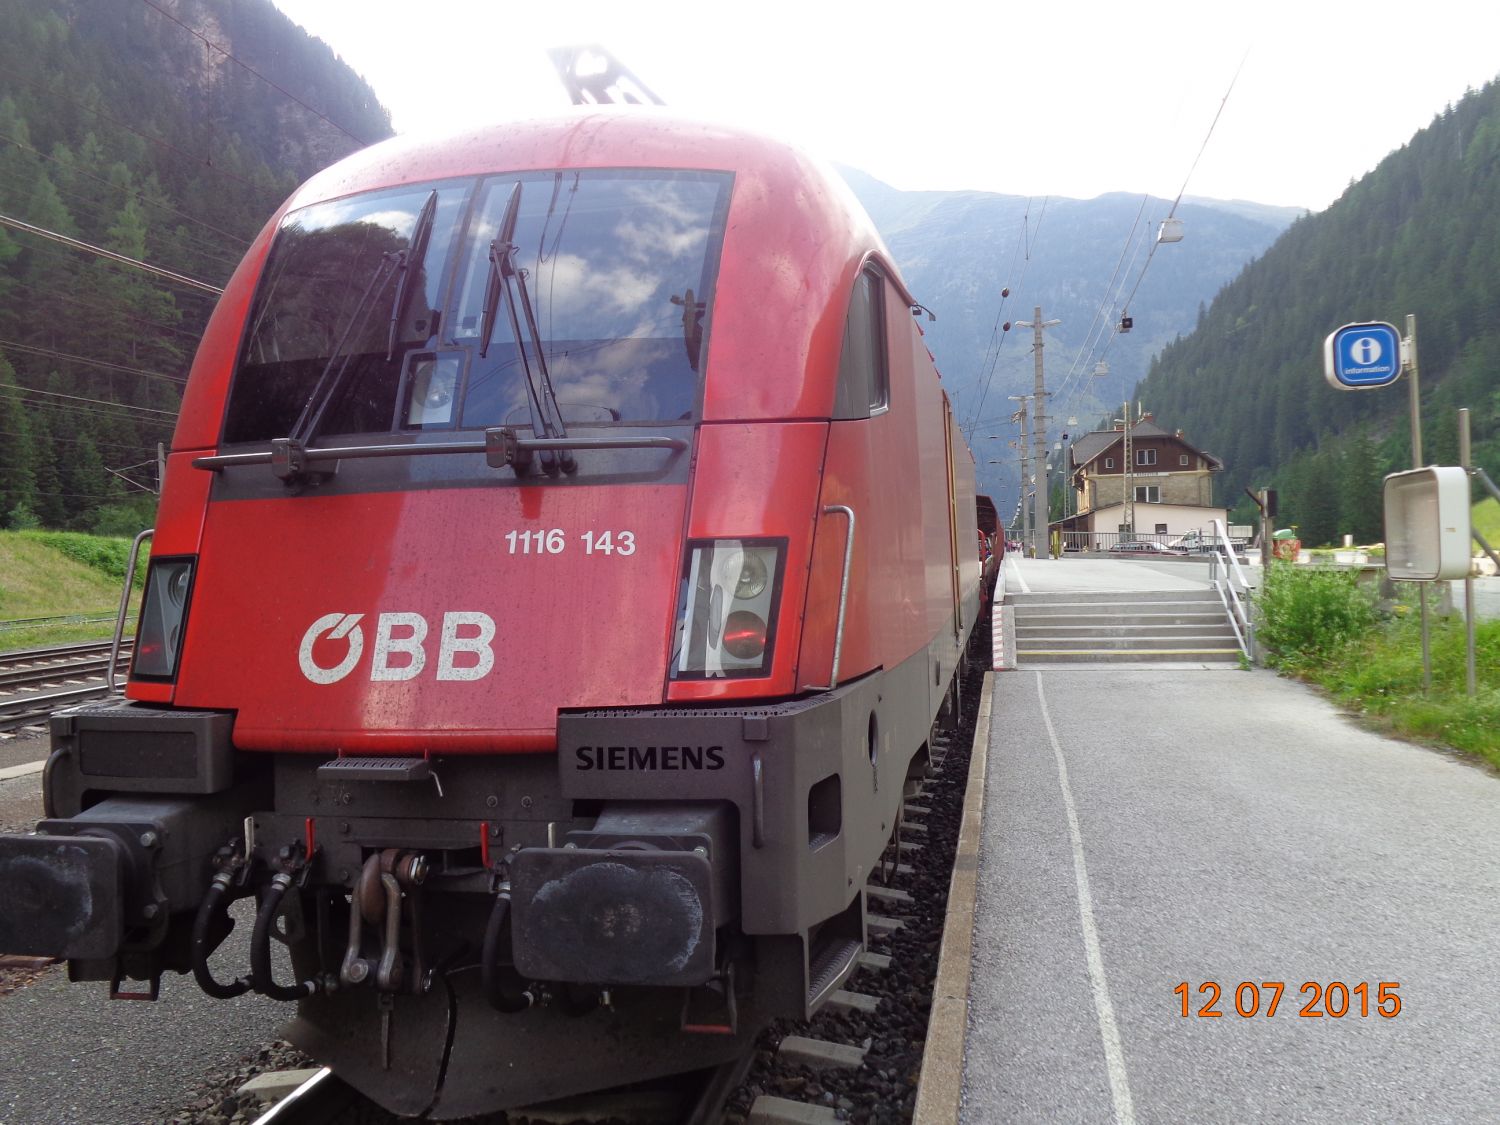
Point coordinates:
pixel 1314 999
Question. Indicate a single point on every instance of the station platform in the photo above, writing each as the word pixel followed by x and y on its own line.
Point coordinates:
pixel 1145 842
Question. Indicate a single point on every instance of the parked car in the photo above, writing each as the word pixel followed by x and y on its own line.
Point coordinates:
pixel 1194 543
pixel 1144 547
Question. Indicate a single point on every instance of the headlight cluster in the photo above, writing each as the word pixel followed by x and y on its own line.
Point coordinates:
pixel 158 640
pixel 726 615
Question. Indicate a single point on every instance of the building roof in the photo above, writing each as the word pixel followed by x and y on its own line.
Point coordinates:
pixel 1092 444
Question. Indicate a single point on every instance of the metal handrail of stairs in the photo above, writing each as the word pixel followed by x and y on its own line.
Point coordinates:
pixel 1233 587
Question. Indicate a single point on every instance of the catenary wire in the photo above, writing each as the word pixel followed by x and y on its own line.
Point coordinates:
pixel 30 349
pixel 997 338
pixel 99 251
pixel 147 411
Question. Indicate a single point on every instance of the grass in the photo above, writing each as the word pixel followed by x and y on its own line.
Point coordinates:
pixel 1376 669
pixel 1380 676
pixel 1485 519
pixel 1374 666
pixel 59 574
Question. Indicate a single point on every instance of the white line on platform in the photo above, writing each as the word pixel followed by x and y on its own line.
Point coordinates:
pixel 22 770
pixel 1114 1055
pixel 1015 569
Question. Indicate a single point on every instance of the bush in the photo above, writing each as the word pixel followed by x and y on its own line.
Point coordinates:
pixel 1308 614
pixel 22 518
pixel 123 519
pixel 1381 678
pixel 109 555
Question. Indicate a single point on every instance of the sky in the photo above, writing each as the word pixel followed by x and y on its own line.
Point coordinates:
pixel 1276 102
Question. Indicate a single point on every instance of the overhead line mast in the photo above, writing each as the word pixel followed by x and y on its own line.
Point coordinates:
pixel 1039 431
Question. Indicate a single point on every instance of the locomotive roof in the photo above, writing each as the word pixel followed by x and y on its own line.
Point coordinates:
pixel 588 137
pixel 596 137
pixel 795 239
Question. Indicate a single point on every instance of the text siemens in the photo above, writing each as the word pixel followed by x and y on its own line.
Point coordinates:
pixel 649 757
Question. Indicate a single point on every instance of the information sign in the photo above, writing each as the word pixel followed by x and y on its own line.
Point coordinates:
pixel 1360 357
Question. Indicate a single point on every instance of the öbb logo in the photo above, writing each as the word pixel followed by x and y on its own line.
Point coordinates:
pixel 402 635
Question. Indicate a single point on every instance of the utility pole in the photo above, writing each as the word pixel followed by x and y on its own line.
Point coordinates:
pixel 1020 415
pixel 1039 430
pixel 1127 498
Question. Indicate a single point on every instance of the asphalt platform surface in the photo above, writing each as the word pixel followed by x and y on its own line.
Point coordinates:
pixel 1150 828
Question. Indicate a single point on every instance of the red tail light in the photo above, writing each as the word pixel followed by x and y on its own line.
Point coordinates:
pixel 745 635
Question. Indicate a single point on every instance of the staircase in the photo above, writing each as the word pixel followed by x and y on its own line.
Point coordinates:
pixel 1158 626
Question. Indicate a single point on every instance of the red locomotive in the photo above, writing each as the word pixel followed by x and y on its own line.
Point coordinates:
pixel 566 549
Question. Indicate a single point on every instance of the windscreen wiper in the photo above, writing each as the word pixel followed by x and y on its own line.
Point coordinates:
pixel 505 276
pixel 291 462
pixel 502 447
pixel 411 266
pixel 332 377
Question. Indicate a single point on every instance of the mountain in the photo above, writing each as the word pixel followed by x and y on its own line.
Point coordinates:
pixel 165 131
pixel 1418 235
pixel 1081 262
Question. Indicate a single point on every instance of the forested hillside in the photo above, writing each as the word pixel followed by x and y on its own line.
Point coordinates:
pixel 1419 235
pixel 166 131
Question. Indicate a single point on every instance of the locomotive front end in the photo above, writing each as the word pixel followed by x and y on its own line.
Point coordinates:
pixel 492 634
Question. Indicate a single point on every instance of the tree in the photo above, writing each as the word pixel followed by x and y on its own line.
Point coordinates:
pixel 1361 512
pixel 17 451
pixel 87 484
pixel 46 269
pixel 51 506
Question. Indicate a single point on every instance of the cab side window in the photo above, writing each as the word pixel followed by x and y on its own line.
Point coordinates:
pixel 863 386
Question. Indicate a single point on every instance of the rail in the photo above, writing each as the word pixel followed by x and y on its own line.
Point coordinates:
pixel 24 623
pixel 36 682
pixel 1233 587
pixel 321 1098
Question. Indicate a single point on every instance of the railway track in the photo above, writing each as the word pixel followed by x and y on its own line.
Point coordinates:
pixel 36 682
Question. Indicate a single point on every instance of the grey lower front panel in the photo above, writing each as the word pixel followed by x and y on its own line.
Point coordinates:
pixel 451 1055
pixel 817 783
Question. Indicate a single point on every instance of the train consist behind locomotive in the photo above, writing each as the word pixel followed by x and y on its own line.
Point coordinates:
pixel 565 552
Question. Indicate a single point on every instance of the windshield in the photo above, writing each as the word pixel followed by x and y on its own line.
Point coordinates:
pixel 619 267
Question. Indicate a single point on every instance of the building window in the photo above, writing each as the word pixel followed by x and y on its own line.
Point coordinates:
pixel 1148 494
pixel 1145 456
pixel 1182 459
pixel 1161 529
pixel 1109 462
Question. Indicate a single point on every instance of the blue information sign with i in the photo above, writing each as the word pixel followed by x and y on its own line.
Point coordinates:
pixel 1359 357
